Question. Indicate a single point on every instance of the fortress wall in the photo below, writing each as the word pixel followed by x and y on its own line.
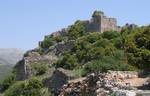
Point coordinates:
pixel 108 24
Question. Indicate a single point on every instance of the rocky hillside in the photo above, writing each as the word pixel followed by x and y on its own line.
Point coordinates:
pixel 73 53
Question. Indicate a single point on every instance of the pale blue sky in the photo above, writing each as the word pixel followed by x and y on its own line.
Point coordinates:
pixel 25 22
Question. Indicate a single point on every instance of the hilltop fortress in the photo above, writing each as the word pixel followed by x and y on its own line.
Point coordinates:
pixel 98 23
pixel 101 23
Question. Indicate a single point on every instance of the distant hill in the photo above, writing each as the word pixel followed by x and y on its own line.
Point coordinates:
pixel 8 58
pixel 10 55
pixel 4 70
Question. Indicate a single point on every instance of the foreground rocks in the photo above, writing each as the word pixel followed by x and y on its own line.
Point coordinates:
pixel 112 83
pixel 55 82
pixel 131 93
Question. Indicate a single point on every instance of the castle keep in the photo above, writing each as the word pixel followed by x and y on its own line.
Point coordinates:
pixel 101 23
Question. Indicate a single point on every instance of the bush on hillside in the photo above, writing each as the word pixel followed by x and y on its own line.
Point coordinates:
pixel 67 62
pixel 137 48
pixel 48 41
pixel 40 68
pixel 33 87
pixel 77 30
pixel 110 35
pixel 8 81
pixel 115 62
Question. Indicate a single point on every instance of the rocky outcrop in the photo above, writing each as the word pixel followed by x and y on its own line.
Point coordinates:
pixel 62 47
pixel 56 81
pixel 24 68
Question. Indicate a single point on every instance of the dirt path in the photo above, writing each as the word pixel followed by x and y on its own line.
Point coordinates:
pixel 77 80
pixel 136 81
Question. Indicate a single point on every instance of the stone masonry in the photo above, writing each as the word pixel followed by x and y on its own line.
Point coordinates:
pixel 98 23
pixel 101 23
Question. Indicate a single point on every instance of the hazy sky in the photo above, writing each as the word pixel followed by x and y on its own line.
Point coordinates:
pixel 25 22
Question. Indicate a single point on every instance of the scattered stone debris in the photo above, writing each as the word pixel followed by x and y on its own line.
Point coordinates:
pixel 112 83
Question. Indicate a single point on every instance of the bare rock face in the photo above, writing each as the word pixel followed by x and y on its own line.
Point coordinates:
pixel 62 47
pixel 25 67
pixel 56 81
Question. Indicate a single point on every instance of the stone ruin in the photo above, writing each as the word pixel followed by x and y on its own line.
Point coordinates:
pixel 98 23
pixel 112 83
pixel 101 23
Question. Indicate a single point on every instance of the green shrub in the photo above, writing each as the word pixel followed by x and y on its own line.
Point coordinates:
pixel 33 87
pixel 5 69
pixel 110 34
pixel 67 62
pixel 71 62
pixel 77 30
pixel 8 81
pixel 137 48
pixel 96 66
pixel 58 38
pixel 107 63
pixel 48 41
pixel 15 90
pixel 40 68
pixel 91 47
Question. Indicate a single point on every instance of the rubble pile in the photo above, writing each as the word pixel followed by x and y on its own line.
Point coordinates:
pixel 105 84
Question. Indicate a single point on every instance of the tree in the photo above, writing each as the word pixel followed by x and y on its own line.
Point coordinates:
pixel 137 48
pixel 110 34
pixel 68 62
pixel 48 41
pixel 33 87
pixel 76 30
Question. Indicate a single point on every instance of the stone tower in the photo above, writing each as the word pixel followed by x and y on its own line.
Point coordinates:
pixel 101 23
